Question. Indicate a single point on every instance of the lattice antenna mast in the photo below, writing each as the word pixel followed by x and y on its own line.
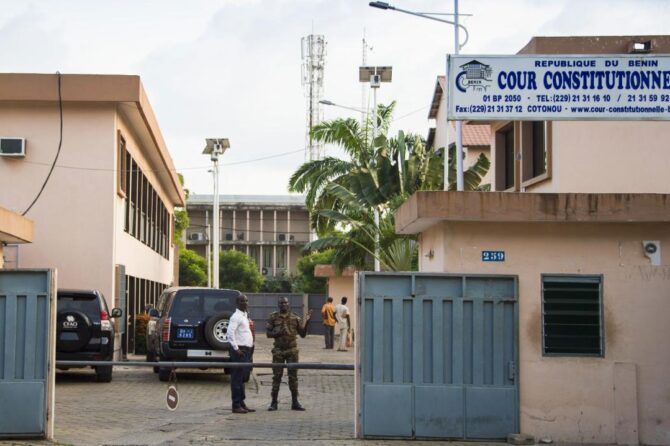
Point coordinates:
pixel 313 64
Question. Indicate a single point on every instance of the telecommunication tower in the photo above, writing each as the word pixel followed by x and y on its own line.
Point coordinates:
pixel 313 64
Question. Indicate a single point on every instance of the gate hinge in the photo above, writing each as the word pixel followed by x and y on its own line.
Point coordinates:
pixel 511 370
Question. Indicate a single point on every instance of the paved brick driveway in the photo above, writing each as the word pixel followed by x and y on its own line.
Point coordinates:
pixel 131 410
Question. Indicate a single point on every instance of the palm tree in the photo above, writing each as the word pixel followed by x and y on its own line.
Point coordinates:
pixel 342 195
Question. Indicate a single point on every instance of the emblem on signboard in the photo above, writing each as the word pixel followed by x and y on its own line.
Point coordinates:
pixel 475 75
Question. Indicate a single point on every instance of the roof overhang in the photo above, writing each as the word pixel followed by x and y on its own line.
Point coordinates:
pixel 124 90
pixel 15 228
pixel 425 209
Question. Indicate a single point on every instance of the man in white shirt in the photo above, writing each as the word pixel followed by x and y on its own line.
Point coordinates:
pixel 343 323
pixel 241 344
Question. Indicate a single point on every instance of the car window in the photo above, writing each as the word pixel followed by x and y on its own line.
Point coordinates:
pixel 199 304
pixel 161 302
pixel 85 303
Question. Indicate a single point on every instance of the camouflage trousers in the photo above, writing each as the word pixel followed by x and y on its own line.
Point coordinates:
pixel 284 356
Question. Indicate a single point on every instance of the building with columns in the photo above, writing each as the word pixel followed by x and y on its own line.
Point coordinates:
pixel 272 229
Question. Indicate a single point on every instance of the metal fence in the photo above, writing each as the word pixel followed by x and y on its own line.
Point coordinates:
pixel 261 305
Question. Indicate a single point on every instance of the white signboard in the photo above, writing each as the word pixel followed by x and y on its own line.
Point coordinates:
pixel 575 87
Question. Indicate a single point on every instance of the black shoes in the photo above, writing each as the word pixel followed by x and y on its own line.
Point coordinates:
pixel 244 406
pixel 296 405
pixel 240 410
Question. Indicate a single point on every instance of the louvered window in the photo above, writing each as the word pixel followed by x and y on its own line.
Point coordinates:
pixel 572 315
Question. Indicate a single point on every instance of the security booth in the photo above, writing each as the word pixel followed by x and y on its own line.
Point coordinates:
pixel 27 353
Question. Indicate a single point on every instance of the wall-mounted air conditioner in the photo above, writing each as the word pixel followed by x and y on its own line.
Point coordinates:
pixel 10 146
pixel 197 237
pixel 229 236
pixel 240 235
pixel 282 237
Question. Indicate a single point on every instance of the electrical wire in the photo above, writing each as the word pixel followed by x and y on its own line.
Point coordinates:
pixel 60 145
pixel 411 113
pixel 223 165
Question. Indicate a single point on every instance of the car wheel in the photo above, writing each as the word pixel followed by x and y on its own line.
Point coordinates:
pixel 164 374
pixel 73 330
pixel 103 373
pixel 216 330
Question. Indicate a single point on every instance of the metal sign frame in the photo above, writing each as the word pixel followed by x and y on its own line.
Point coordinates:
pixel 602 87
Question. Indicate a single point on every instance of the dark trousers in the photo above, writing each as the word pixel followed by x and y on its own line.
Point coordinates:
pixel 329 336
pixel 237 375
pixel 280 356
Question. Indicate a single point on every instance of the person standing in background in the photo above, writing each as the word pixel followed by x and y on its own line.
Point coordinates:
pixel 329 321
pixel 343 323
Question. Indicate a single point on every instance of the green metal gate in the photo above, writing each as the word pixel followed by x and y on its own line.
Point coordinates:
pixel 438 355
pixel 27 352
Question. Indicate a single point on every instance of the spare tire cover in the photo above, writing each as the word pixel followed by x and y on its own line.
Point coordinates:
pixel 73 330
pixel 216 330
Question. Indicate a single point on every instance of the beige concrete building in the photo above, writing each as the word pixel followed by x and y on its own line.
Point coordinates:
pixel 105 216
pixel 272 229
pixel 340 285
pixel 14 229
pixel 582 216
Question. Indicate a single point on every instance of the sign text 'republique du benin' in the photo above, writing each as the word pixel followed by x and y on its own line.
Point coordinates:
pixel 578 87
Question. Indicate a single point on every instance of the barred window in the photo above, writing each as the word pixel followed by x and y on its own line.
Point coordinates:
pixel 146 216
pixel 572 315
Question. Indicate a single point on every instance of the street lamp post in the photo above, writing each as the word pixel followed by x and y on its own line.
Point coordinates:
pixel 216 147
pixel 375 76
pixel 460 186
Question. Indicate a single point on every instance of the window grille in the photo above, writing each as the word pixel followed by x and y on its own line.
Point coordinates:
pixel 572 315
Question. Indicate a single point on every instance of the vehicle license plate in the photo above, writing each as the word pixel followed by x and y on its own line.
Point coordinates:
pixel 207 354
pixel 185 333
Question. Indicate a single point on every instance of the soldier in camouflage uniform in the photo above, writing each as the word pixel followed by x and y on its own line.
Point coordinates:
pixel 284 327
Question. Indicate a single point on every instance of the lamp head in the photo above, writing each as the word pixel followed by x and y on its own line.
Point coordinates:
pixel 381 5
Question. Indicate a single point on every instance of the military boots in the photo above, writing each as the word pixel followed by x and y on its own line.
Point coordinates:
pixel 295 405
pixel 273 403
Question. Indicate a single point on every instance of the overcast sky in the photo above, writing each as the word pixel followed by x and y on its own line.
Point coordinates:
pixel 232 68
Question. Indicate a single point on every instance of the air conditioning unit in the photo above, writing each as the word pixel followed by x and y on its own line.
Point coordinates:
pixel 291 238
pixel 282 237
pixel 240 236
pixel 10 146
pixel 197 236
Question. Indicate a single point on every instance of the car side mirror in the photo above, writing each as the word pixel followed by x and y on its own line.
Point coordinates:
pixel 154 312
pixel 117 312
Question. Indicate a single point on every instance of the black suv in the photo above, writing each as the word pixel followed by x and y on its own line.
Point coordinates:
pixel 190 324
pixel 84 331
